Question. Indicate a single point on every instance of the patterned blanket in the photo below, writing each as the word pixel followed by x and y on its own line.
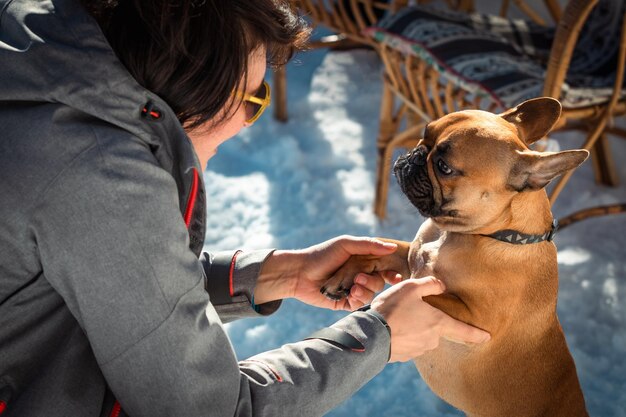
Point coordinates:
pixel 506 59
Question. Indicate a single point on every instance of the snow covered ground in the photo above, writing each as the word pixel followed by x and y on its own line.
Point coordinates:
pixel 296 184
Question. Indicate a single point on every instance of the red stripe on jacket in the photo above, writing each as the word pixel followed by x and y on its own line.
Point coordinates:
pixel 231 287
pixel 117 408
pixel 191 200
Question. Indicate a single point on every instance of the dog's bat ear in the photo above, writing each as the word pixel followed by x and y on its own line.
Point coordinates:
pixel 534 118
pixel 534 170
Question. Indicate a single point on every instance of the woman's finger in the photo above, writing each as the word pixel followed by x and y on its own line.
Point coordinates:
pixel 341 305
pixel 354 302
pixel 362 294
pixel 366 246
pixel 428 286
pixel 374 283
pixel 391 277
pixel 459 332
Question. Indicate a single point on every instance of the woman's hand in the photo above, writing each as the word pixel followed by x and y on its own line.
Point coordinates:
pixel 416 326
pixel 300 274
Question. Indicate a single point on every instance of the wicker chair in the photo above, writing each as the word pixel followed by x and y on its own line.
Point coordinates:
pixel 349 18
pixel 346 18
pixel 419 87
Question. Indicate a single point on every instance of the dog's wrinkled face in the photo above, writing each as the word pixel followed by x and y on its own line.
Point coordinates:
pixel 457 175
pixel 470 164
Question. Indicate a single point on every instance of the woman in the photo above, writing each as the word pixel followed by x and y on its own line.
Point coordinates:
pixel 106 301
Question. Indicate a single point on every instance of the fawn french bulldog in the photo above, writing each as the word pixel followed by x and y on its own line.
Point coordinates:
pixel 488 237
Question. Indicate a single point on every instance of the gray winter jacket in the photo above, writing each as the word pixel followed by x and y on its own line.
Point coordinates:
pixel 103 298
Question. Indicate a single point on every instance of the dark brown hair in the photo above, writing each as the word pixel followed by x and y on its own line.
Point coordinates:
pixel 194 53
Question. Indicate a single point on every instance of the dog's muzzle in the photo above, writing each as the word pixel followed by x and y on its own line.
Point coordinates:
pixel 411 171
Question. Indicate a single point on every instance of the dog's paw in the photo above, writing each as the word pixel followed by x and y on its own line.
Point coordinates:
pixel 339 285
pixel 335 293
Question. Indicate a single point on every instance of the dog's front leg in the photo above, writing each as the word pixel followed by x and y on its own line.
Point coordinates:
pixel 338 286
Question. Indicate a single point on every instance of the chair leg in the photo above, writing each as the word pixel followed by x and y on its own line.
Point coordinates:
pixel 382 181
pixel 280 92
pixel 603 167
pixel 388 126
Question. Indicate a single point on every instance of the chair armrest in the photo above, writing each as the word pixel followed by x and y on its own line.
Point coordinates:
pixel 567 33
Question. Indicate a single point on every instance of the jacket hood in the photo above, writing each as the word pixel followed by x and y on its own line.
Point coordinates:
pixel 54 51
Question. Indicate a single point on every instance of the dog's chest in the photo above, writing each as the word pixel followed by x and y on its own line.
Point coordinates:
pixel 438 253
pixel 423 258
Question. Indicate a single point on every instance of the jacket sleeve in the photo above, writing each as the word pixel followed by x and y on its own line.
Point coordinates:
pixel 230 278
pixel 114 245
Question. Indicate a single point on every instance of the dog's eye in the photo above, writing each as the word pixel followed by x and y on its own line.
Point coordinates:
pixel 443 168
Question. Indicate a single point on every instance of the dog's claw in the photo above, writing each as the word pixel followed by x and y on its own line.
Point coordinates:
pixel 337 295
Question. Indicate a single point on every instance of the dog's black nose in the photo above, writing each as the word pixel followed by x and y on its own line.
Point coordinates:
pixel 418 155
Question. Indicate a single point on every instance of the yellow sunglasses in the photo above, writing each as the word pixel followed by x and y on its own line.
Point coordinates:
pixel 257 103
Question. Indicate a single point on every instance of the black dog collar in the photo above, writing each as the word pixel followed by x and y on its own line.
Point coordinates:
pixel 518 238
